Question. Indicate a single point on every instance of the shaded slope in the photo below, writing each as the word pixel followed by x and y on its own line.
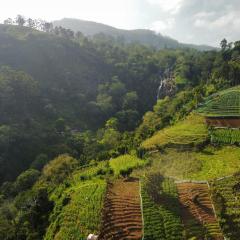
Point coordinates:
pixel 51 60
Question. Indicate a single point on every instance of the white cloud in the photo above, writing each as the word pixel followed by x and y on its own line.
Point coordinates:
pixel 162 26
pixel 116 13
pixel 171 6
pixel 210 21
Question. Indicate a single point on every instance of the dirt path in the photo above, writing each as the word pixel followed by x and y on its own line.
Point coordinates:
pixel 122 212
pixel 197 212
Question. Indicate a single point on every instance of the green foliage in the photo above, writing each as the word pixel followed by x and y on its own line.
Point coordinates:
pixel 26 180
pixel 34 208
pixel 222 104
pixel 168 111
pixel 82 215
pixel 130 101
pixel 39 162
pixel 7 225
pixel 57 170
pixel 81 96
pixel 161 209
pixel 227 136
pixel 18 94
pixel 126 172
pixel 225 195
pixel 124 163
pixel 60 125
pixel 91 171
pixel 208 164
pixel 190 132
pixel 103 34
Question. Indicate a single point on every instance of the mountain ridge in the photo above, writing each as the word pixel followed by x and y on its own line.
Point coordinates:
pixel 143 36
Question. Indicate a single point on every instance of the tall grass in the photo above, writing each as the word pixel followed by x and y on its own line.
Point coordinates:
pixel 191 131
pixel 125 162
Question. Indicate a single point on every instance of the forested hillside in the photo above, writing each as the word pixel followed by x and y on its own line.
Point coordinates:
pixel 142 36
pixel 77 113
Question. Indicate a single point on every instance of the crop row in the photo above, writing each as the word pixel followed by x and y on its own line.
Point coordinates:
pixel 88 172
pixel 226 104
pixel 81 214
pixel 161 212
pixel 228 136
pixel 182 133
pixel 226 197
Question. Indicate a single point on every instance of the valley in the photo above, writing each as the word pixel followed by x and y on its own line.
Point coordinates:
pixel 121 140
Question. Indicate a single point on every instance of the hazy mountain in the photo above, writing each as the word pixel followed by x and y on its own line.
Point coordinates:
pixel 143 36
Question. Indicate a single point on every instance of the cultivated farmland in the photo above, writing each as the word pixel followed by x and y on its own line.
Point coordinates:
pixel 197 212
pixel 226 197
pixel 122 211
pixel 161 209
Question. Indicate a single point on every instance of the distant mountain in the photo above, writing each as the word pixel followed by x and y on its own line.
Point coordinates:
pixel 143 36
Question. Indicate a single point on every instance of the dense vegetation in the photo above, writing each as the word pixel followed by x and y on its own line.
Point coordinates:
pixel 69 104
pixel 180 134
pixel 143 36
pixel 125 163
pixel 207 164
pixel 160 208
pixel 222 104
pixel 226 200
pixel 77 212
pixel 225 136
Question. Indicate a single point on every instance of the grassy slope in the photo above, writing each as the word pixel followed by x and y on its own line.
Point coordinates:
pixel 78 207
pixel 208 164
pixel 191 131
pixel 125 162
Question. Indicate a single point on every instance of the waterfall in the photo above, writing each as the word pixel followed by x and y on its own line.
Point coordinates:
pixel 159 89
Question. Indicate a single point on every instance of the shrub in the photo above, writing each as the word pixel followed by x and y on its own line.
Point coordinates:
pixel 59 169
pixel 124 162
pixel 126 172
pixel 26 180
pixel 39 162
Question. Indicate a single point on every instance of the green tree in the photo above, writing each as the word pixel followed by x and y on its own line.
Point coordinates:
pixel 26 180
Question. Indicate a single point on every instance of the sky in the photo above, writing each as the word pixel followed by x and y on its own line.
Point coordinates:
pixel 188 21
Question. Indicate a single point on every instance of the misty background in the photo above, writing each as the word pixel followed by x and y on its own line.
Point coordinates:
pixel 189 21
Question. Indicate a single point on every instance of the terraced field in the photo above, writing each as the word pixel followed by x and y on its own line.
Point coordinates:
pixel 226 197
pixel 179 135
pixel 77 212
pixel 161 210
pixel 225 135
pixel 122 211
pixel 223 104
pixel 197 212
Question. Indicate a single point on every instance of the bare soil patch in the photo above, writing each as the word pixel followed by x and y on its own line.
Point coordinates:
pixel 122 211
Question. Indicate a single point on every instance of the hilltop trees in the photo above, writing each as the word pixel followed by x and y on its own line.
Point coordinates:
pixel 20 20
